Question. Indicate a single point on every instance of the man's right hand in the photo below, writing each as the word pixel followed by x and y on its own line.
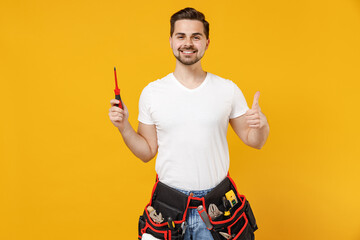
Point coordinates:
pixel 142 143
pixel 118 116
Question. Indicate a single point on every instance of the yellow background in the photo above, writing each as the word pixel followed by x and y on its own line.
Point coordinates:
pixel 65 172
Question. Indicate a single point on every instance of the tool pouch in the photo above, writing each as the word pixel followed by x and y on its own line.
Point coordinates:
pixel 240 224
pixel 170 203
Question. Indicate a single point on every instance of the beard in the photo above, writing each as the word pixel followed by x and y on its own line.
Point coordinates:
pixel 187 60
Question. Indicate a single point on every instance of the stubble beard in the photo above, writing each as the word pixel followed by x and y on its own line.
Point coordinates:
pixel 186 60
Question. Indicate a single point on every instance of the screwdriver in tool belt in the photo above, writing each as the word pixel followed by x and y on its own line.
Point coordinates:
pixel 117 91
pixel 204 217
pixel 171 223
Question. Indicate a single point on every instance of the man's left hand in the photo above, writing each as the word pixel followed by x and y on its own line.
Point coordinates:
pixel 254 117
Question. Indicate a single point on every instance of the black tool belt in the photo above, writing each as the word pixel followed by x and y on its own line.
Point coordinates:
pixel 239 222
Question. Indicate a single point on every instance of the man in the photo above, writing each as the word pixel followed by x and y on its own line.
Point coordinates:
pixel 184 118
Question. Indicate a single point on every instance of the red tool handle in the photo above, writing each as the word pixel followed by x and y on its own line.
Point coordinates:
pixel 119 98
pixel 117 91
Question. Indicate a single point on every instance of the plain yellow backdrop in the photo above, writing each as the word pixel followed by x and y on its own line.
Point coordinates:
pixel 65 172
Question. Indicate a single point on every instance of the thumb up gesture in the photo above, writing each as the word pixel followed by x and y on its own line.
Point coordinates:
pixel 254 117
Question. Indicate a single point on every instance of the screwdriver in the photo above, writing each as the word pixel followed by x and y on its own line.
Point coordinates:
pixel 204 217
pixel 117 91
pixel 171 223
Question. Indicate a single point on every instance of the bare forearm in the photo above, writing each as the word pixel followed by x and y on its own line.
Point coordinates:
pixel 136 143
pixel 258 136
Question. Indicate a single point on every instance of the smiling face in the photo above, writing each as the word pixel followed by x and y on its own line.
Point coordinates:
pixel 188 41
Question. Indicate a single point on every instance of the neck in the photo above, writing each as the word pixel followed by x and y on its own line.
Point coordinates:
pixel 191 75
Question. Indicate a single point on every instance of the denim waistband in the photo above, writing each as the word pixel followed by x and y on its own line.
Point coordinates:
pixel 198 193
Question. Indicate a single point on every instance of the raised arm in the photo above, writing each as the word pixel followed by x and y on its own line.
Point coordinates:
pixel 252 127
pixel 143 143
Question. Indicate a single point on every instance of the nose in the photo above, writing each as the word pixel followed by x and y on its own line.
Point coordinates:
pixel 188 42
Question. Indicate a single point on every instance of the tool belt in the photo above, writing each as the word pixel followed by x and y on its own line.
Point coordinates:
pixel 173 205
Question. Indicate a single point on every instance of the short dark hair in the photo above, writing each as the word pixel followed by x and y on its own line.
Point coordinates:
pixel 191 14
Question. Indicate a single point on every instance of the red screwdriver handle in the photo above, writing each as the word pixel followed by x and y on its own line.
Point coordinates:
pixel 117 96
pixel 117 91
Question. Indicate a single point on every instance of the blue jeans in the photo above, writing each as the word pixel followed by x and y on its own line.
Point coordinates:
pixel 196 229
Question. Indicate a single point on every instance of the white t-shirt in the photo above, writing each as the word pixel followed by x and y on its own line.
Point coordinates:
pixel 191 127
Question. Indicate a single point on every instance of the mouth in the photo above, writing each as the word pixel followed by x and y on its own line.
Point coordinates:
pixel 187 52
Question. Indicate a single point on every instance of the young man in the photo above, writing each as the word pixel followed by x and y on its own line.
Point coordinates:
pixel 184 118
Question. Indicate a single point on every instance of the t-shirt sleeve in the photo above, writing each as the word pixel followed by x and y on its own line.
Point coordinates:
pixel 144 106
pixel 239 105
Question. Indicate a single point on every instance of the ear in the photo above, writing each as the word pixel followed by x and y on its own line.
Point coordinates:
pixel 170 41
pixel 207 43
